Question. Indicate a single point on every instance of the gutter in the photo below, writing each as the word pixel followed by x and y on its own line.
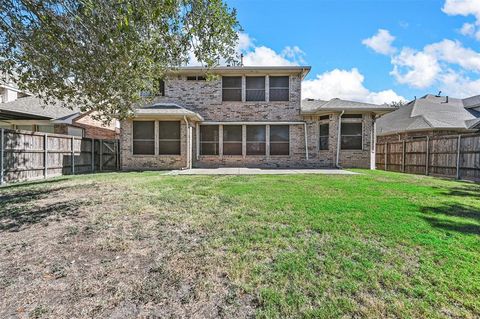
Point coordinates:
pixel 339 139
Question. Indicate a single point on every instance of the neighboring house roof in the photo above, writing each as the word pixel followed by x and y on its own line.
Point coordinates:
pixel 471 102
pixel 34 108
pixel 167 109
pixel 304 70
pixel 430 112
pixel 311 106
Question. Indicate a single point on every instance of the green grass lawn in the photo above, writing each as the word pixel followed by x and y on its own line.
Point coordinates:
pixel 294 246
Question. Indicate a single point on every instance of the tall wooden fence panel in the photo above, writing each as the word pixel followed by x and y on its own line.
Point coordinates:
pixel 32 155
pixel 456 156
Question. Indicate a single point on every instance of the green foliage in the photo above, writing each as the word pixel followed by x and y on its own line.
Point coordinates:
pixel 100 54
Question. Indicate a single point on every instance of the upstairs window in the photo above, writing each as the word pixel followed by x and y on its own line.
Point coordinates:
pixel 351 136
pixel 279 140
pixel 256 140
pixel 255 88
pixel 279 88
pixel 232 140
pixel 351 116
pixel 169 138
pixel 232 88
pixel 209 140
pixel 196 78
pixel 143 137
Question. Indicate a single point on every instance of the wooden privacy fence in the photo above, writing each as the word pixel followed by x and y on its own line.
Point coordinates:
pixel 32 155
pixel 447 156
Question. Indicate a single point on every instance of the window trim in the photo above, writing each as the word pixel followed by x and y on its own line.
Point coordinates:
pixel 267 138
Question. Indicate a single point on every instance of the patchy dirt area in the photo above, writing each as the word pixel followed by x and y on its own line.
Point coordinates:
pixel 81 249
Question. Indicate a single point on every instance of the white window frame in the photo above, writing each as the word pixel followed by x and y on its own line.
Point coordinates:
pixel 352 120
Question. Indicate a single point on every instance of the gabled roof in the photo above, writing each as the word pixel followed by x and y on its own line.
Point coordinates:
pixel 311 106
pixel 167 109
pixel 31 107
pixel 429 112
pixel 471 102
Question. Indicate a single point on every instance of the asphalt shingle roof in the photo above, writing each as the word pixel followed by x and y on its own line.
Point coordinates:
pixel 310 106
pixel 34 106
pixel 429 112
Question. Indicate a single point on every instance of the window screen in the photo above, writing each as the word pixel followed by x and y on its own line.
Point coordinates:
pixel 324 133
pixel 351 136
pixel 279 140
pixel 232 140
pixel 161 87
pixel 209 139
pixel 144 137
pixel 169 138
pixel 256 140
pixel 46 128
pixel 255 88
pixel 279 88
pixel 231 88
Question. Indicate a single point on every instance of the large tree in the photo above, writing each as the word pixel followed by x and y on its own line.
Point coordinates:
pixel 99 54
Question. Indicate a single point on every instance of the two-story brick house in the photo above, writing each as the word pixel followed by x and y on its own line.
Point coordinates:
pixel 246 117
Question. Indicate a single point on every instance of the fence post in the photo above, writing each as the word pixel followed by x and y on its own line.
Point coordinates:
pixel 117 154
pixel 458 155
pixel 2 146
pixel 386 155
pixel 45 155
pixel 72 162
pixel 403 155
pixel 100 153
pixel 93 154
pixel 427 155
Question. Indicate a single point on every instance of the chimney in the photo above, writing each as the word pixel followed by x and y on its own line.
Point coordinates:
pixel 241 59
pixel 446 99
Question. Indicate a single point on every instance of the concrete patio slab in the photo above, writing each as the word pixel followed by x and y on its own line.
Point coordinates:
pixel 257 171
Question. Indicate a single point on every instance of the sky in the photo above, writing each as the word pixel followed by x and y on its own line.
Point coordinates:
pixel 375 51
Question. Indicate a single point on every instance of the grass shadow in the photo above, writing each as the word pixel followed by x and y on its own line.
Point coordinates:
pixel 467 218
pixel 19 210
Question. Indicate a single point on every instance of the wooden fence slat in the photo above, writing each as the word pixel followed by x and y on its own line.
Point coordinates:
pixel 2 146
pixel 456 156
pixel 33 155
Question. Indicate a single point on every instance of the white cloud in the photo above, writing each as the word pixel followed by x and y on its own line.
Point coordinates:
pixel 345 84
pixel 458 85
pixel 417 69
pixel 463 8
pixel 262 56
pixel 453 52
pixel 468 29
pixel 381 42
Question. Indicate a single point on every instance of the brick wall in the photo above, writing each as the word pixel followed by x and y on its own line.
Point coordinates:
pixel 94 128
pixel 205 98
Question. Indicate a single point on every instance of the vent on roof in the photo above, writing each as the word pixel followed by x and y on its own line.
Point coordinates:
pixel 310 99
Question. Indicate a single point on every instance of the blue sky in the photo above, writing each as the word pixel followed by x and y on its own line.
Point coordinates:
pixel 423 46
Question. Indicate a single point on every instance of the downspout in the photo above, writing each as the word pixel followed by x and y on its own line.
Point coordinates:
pixel 306 140
pixel 339 132
pixel 188 143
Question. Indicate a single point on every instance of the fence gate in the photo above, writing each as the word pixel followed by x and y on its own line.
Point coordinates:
pixel 107 155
